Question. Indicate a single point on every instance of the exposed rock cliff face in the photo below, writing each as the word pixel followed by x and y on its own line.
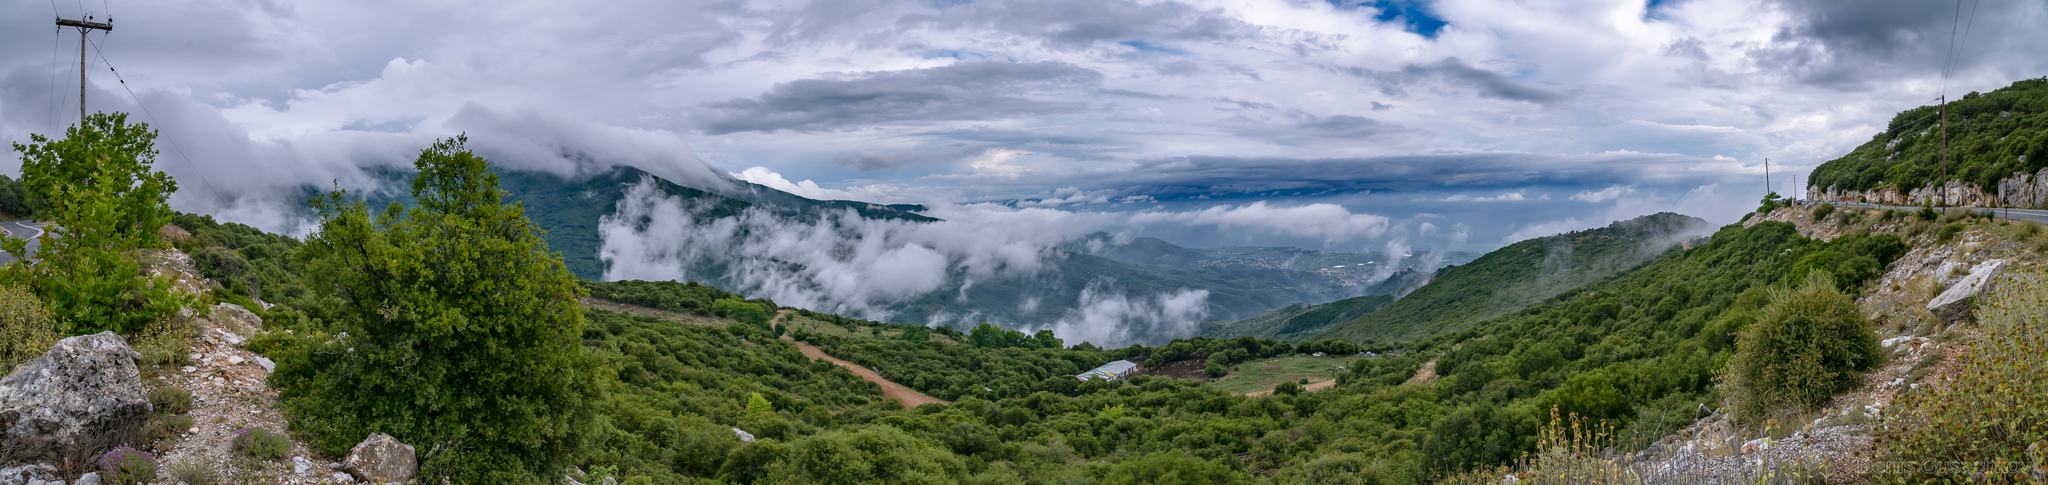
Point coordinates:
pixel 2021 190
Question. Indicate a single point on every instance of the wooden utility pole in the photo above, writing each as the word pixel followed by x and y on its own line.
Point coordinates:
pixel 1767 178
pixel 1941 187
pixel 84 27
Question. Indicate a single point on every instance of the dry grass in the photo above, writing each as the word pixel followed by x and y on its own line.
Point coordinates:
pixel 1578 451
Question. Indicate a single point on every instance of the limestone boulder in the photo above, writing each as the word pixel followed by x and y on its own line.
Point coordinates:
pixel 1959 301
pixel 82 397
pixel 236 320
pixel 381 459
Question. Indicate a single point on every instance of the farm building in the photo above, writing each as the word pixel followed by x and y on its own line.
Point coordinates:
pixel 1110 371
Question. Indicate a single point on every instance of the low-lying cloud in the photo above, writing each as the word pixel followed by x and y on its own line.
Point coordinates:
pixel 854 266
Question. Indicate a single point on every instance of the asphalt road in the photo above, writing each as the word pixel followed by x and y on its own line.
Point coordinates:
pixel 21 229
pixel 2036 215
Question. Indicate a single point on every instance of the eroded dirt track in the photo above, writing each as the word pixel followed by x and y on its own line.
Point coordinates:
pixel 910 398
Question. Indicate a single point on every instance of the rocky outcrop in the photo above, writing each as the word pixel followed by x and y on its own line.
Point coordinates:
pixel 30 475
pixel 2021 190
pixel 381 459
pixel 176 266
pixel 1959 300
pixel 237 320
pixel 80 398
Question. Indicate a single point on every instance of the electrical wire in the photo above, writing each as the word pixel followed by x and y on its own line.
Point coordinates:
pixel 1948 65
pixel 152 118
pixel 55 46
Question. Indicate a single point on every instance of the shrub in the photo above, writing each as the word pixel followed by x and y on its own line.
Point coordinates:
pixel 1808 344
pixel 171 400
pixel 26 330
pixel 193 472
pixel 1823 210
pixel 1948 232
pixel 1216 370
pixel 1289 388
pixel 463 330
pixel 1927 213
pixel 127 466
pixel 256 442
pixel 1990 418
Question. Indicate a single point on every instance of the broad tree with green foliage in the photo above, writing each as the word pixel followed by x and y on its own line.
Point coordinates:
pixel 456 330
pixel 102 199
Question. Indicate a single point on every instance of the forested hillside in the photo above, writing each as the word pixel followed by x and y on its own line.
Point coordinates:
pixel 1297 320
pixel 1990 136
pixel 1513 277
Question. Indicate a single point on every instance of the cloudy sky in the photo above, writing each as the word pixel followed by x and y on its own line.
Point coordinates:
pixel 1456 123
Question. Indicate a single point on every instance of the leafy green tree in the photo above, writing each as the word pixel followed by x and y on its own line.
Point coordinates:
pixel 1809 344
pixel 742 310
pixel 14 201
pixel 456 331
pixel 98 191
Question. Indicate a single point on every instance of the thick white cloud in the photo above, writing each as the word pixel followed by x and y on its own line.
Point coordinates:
pixel 997 100
pixel 1328 222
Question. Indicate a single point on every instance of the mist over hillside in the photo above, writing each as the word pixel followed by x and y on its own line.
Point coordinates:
pixel 1022 268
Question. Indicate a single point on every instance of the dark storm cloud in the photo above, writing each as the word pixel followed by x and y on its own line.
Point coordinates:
pixel 1846 44
pixel 872 161
pixel 1455 72
pixel 1195 175
pixel 968 90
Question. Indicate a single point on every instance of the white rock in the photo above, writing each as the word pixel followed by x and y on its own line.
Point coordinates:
pixel 303 466
pixel 339 477
pixel 90 478
pixel 188 369
pixel 268 366
pixel 234 360
pixel 745 437
pixel 1956 303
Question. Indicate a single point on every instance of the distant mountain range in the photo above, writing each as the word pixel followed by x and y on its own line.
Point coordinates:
pixel 1241 281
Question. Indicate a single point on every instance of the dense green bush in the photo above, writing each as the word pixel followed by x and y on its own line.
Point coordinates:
pixel 455 329
pixel 744 311
pixel 26 329
pixel 1821 211
pixel 691 298
pixel 14 199
pixel 1807 345
pixel 989 336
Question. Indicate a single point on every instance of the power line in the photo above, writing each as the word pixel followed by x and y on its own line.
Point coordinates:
pixel 152 119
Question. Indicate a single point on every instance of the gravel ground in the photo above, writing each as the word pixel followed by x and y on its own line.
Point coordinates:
pixel 229 393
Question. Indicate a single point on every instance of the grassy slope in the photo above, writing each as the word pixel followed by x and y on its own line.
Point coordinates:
pixel 1515 277
pixel 1262 375
pixel 1987 135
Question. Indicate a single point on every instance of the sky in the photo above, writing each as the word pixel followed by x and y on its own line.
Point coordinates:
pixel 1340 125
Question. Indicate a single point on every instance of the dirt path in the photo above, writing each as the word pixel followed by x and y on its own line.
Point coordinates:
pixel 911 399
pixel 1312 386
